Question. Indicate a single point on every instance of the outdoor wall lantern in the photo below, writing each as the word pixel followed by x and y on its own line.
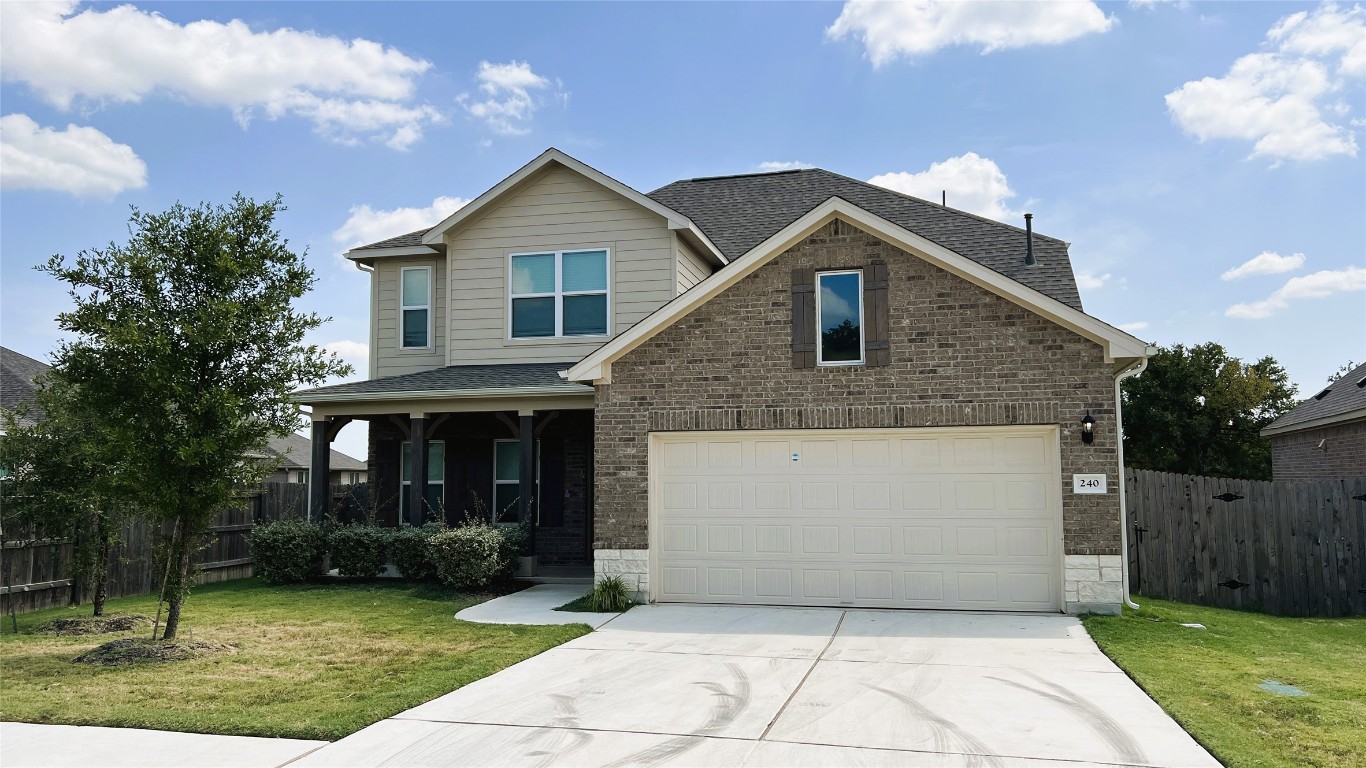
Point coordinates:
pixel 1088 428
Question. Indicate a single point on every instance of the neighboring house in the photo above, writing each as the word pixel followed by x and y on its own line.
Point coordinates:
pixel 784 388
pixel 1323 437
pixel 18 380
pixel 290 457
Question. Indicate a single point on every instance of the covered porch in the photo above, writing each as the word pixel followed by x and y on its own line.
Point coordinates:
pixel 509 444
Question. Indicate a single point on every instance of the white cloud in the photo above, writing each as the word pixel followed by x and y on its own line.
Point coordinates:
pixel 971 183
pixel 779 165
pixel 357 353
pixel 835 306
pixel 1087 281
pixel 1316 286
pixel 80 160
pixel 1141 325
pixel 367 225
pixel 1286 100
pixel 1265 263
pixel 512 94
pixel 921 27
pixel 349 90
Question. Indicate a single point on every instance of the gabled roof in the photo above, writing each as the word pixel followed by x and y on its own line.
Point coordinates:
pixel 296 452
pixel 1342 401
pixel 1120 347
pixel 454 381
pixel 18 375
pixel 739 212
pixel 676 221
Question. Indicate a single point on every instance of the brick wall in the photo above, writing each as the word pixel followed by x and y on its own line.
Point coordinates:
pixel 1297 456
pixel 960 356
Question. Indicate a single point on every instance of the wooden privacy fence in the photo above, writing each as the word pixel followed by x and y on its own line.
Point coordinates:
pixel 36 573
pixel 1286 548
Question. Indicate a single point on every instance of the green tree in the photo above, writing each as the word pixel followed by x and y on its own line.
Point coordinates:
pixel 188 347
pixel 59 486
pixel 1199 411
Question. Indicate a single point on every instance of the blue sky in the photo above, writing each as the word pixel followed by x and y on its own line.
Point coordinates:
pixel 1204 160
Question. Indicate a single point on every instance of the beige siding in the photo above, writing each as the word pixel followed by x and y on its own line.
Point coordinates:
pixel 691 268
pixel 556 210
pixel 389 359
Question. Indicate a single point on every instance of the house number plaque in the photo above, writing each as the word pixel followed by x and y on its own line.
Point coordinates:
pixel 1088 484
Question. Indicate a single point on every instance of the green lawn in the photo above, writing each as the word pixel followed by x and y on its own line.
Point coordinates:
pixel 1208 680
pixel 312 661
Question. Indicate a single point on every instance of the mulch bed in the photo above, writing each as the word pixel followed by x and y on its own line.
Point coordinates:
pixel 93 625
pixel 135 650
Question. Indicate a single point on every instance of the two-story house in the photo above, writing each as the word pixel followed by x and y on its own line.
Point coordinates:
pixel 782 388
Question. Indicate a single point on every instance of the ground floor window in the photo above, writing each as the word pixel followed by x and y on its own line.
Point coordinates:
pixel 300 475
pixel 436 480
pixel 507 463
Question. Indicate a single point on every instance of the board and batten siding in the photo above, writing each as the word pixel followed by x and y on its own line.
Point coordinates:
pixel 692 269
pixel 556 210
pixel 389 358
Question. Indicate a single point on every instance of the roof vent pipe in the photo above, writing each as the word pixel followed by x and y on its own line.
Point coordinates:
pixel 1029 241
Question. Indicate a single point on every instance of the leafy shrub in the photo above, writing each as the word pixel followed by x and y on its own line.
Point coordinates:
pixel 287 551
pixel 474 555
pixel 412 551
pixel 361 550
pixel 610 595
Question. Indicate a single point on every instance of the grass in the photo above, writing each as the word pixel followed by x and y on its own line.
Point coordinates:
pixel 1208 680
pixel 311 661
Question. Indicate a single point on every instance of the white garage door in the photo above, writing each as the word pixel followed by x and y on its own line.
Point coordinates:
pixel 898 518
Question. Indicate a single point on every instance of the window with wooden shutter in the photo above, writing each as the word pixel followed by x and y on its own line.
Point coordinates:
pixel 803 318
pixel 877 334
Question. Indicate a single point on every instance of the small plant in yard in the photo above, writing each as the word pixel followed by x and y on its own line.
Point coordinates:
pixel 610 595
pixel 412 551
pixel 287 551
pixel 361 550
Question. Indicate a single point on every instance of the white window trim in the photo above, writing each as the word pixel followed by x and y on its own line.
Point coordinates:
pixel 536 446
pixel 559 294
pixel 431 287
pixel 404 485
pixel 862 342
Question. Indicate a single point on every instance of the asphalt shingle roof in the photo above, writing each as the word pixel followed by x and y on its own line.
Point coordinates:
pixel 1345 395
pixel 296 452
pixel 402 241
pixel 739 212
pixel 17 376
pixel 455 378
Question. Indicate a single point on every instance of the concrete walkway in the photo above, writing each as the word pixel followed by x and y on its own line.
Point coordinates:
pixel 740 686
pixel 536 605
pixel 24 745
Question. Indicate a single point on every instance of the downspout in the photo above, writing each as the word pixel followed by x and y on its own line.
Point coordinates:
pixel 1132 370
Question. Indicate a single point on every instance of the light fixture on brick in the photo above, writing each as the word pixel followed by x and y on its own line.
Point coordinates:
pixel 1088 428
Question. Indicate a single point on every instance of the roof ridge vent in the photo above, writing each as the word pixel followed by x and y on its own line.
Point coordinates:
pixel 1324 393
pixel 1361 382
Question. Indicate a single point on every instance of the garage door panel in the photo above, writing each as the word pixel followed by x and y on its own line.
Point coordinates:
pixel 948 518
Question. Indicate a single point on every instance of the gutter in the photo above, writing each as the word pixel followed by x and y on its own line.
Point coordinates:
pixel 444 394
pixel 1132 370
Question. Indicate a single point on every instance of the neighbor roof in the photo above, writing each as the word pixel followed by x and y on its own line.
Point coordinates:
pixel 296 451
pixel 739 212
pixel 513 378
pixel 18 374
pixel 1343 400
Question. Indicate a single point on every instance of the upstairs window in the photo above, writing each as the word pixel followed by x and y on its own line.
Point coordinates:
pixel 416 321
pixel 839 313
pixel 557 294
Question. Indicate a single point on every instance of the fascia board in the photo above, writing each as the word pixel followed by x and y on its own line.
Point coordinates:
pixel 440 394
pixel 597 365
pixel 1323 421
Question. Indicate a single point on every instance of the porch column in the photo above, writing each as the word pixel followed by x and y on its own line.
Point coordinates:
pixel 319 492
pixel 526 478
pixel 417 464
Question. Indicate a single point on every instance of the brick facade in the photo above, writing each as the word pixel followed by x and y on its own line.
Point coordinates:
pixel 960 356
pixel 566 475
pixel 1297 455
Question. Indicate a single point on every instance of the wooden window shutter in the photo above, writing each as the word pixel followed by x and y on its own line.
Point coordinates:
pixel 803 318
pixel 876 337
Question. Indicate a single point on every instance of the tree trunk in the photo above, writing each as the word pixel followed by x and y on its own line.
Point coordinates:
pixel 101 574
pixel 179 586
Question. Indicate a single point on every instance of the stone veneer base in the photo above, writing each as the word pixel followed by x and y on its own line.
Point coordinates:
pixel 631 565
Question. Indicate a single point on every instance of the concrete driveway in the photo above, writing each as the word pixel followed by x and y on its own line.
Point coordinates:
pixel 736 686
